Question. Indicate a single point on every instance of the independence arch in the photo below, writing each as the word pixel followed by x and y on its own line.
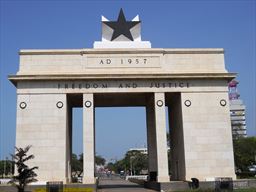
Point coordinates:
pixel 121 72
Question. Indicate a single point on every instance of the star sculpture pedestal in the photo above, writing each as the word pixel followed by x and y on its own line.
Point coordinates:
pixel 121 44
pixel 121 34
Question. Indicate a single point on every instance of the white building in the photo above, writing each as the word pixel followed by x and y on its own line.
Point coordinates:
pixel 143 150
pixel 237 111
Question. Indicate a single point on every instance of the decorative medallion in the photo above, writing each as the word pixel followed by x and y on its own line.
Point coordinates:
pixel 160 103
pixel 23 105
pixel 59 104
pixel 187 103
pixel 223 102
pixel 87 104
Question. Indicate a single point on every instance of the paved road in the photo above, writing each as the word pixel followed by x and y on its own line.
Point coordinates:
pixel 120 185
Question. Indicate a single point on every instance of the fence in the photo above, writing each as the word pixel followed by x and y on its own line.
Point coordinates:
pixel 140 177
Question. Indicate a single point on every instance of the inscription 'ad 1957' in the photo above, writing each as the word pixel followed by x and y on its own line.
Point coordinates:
pixel 122 62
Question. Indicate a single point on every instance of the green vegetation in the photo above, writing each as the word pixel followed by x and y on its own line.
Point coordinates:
pixel 245 190
pixel 212 190
pixel 25 174
pixel 245 152
pixel 245 155
pixel 99 160
pixel 6 168
pixel 77 165
pixel 68 190
pixel 133 160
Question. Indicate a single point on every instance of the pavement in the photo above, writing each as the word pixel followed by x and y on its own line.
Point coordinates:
pixel 120 185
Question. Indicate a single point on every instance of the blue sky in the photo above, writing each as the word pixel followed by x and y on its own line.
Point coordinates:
pixel 167 24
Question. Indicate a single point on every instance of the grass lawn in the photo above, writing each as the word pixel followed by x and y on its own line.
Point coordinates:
pixel 246 190
pixel 236 190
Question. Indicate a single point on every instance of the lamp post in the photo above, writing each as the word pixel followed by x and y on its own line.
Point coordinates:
pixel 131 165
pixel 12 165
pixel 7 170
pixel 4 167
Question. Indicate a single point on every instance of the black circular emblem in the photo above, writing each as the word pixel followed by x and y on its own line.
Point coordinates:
pixel 59 104
pixel 160 103
pixel 187 103
pixel 87 104
pixel 23 105
pixel 223 102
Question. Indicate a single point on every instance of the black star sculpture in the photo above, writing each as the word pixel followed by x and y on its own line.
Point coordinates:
pixel 121 26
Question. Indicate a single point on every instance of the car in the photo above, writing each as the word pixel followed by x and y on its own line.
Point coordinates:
pixel 252 168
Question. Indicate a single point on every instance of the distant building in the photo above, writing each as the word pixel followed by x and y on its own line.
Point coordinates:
pixel 237 111
pixel 143 150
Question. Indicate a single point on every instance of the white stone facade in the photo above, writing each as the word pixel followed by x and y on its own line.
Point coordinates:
pixel 191 82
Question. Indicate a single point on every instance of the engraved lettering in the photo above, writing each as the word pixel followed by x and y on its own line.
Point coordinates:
pixel 87 86
pixel 108 61
pixel 95 85
pixel 105 85
pixel 127 85
pixel 101 61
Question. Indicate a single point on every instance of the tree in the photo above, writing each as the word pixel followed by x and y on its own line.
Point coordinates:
pixel 99 160
pixel 139 162
pixel 111 166
pixel 6 168
pixel 25 174
pixel 134 160
pixel 76 166
pixel 244 152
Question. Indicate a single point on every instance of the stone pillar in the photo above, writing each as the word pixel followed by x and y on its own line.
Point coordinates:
pixel 207 135
pixel 151 138
pixel 176 138
pixel 42 123
pixel 161 141
pixel 156 133
pixel 88 139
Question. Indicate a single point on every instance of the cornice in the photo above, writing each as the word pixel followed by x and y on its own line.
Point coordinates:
pixel 73 77
pixel 121 51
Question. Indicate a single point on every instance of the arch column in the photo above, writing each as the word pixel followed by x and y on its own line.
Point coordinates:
pixel 151 139
pixel 156 133
pixel 88 139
